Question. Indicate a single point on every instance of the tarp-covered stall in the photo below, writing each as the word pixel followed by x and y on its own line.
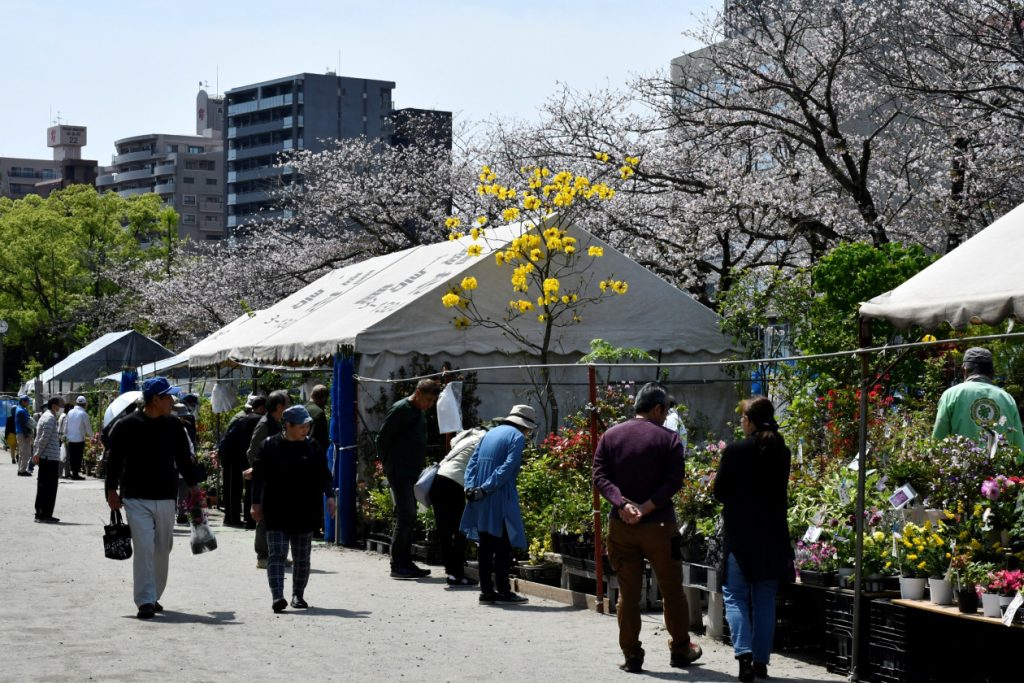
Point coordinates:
pixel 389 308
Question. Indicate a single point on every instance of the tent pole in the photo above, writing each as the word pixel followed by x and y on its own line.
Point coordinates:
pixel 598 550
pixel 865 359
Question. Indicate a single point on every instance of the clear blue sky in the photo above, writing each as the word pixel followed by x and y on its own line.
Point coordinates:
pixel 128 68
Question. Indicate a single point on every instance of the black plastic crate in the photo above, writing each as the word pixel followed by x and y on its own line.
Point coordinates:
pixel 839 650
pixel 888 664
pixel 888 623
pixel 839 609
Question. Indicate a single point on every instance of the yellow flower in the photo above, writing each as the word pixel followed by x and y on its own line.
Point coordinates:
pixel 620 287
pixel 541 318
pixel 601 156
pixel 531 202
pixel 566 299
pixel 922 565
pixel 603 285
pixel 626 172
pixel 461 323
pixel 878 535
pixel 452 222
pixel 450 300
pixel 536 255
pixel 596 252
pixel 475 233
pixel 474 250
pixel 499 258
pixel 551 285
pixel 569 249
pixel 632 161
pixel 468 283
pixel 911 557
pixel 510 214
pixel 481 220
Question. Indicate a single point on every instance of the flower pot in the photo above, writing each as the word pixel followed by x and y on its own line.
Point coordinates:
pixel 874 583
pixel 967 600
pixel 846 577
pixel 940 591
pixel 1004 601
pixel 990 605
pixel 813 578
pixel 912 588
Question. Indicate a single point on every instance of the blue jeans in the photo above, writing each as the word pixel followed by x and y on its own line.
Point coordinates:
pixel 750 609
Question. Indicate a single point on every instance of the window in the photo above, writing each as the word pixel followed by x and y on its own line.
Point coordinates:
pixel 196 149
pixel 188 218
pixel 188 199
pixel 211 181
pixel 171 149
pixel 189 180
pixel 200 165
pixel 211 199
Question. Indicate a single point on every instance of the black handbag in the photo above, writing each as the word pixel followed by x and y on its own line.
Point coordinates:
pixel 117 538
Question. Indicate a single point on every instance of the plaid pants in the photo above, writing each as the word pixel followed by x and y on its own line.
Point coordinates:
pixel 278 544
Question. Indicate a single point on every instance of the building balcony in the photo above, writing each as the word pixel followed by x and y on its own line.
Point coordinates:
pixel 106 180
pixel 258 173
pixel 262 103
pixel 249 197
pixel 165 169
pixel 139 174
pixel 235 132
pixel 165 188
pixel 259 150
pixel 142 155
pixel 131 192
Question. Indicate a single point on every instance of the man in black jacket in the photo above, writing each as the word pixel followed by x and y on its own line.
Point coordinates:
pixel 231 452
pixel 402 447
pixel 147 450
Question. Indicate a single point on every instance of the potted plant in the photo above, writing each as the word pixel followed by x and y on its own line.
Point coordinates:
pixel 968 579
pixel 817 563
pixel 1005 583
pixel 538 568
pixel 919 560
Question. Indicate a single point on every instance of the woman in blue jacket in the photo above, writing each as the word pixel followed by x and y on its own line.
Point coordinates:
pixel 492 517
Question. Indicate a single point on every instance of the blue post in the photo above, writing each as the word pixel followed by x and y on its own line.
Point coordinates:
pixel 343 454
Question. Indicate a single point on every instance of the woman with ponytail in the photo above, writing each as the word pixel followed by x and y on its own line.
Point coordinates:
pixel 751 484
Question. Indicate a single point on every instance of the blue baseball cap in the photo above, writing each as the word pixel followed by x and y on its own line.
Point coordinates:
pixel 23 397
pixel 156 386
pixel 296 415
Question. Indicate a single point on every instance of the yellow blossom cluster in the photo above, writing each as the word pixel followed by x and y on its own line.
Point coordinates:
pixel 468 283
pixel 617 286
pixel 521 305
pixel 461 322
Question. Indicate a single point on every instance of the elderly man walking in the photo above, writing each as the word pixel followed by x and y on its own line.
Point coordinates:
pixel 47 456
pixel 147 450
pixel 25 428
pixel 77 430
pixel 638 468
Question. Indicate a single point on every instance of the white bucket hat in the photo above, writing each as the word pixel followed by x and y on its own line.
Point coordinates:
pixel 522 416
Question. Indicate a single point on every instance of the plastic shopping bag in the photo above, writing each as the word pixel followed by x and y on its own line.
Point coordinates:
pixel 202 539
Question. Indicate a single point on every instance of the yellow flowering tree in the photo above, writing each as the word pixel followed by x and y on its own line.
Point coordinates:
pixel 552 277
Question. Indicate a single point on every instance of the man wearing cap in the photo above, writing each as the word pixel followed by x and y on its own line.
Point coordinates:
pixel 976 408
pixel 25 428
pixel 289 480
pixel 47 456
pixel 402 449
pixel 77 430
pixel 492 517
pixel 147 450
pixel 638 467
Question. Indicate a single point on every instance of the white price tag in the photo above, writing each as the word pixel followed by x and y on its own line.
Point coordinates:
pixel 812 534
pixel 800 451
pixel 902 496
pixel 844 493
pixel 1011 611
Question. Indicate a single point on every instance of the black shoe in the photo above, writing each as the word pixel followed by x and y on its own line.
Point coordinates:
pixel 420 572
pixel 404 573
pixel 279 605
pixel 48 520
pixel 511 598
pixel 761 670
pixel 488 598
pixel 299 603
pixel 633 664
pixel 77 477
pixel 146 611
pixel 464 581
pixel 746 667
pixel 157 607
pixel 24 474
pixel 681 660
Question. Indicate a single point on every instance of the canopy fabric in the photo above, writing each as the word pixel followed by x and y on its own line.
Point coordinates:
pixel 982 280
pixel 392 303
pixel 175 366
pixel 112 351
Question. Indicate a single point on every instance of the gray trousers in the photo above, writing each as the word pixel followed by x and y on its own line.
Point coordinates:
pixel 25 442
pixel 152 524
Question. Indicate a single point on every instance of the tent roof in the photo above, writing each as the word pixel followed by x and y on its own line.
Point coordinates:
pixel 111 351
pixel 979 281
pixel 167 366
pixel 393 303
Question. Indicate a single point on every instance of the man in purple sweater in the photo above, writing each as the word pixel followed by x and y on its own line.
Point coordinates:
pixel 638 467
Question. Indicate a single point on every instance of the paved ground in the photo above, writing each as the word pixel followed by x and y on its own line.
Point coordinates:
pixel 66 613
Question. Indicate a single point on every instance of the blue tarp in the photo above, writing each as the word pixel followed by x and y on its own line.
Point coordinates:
pixel 341 456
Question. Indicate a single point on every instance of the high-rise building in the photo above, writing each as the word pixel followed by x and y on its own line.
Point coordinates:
pixel 187 171
pixel 303 111
pixel 22 177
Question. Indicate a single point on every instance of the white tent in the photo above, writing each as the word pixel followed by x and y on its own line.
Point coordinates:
pixel 389 308
pixel 982 280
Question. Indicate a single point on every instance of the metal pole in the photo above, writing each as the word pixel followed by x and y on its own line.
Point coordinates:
pixel 598 550
pixel 865 342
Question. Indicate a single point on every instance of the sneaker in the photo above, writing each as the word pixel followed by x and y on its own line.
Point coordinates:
pixel 146 611
pixel 419 571
pixel 761 670
pixel 299 603
pixel 77 477
pixel 24 474
pixel 261 563
pixel 405 573
pixel 279 605
pixel 48 520
pixel 634 664
pixel 464 581
pixel 682 660
pixel 511 598
pixel 746 673
pixel 488 598
pixel 157 607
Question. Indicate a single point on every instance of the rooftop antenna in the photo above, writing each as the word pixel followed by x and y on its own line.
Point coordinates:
pixel 217 76
pixel 204 84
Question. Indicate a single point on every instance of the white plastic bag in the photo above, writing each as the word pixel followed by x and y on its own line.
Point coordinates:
pixel 449 409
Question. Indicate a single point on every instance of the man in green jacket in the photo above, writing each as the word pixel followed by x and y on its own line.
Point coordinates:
pixel 976 408
pixel 402 448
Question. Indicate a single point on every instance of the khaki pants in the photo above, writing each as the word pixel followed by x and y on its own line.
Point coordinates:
pixel 24 451
pixel 628 545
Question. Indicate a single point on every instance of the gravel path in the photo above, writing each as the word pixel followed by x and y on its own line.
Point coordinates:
pixel 66 613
